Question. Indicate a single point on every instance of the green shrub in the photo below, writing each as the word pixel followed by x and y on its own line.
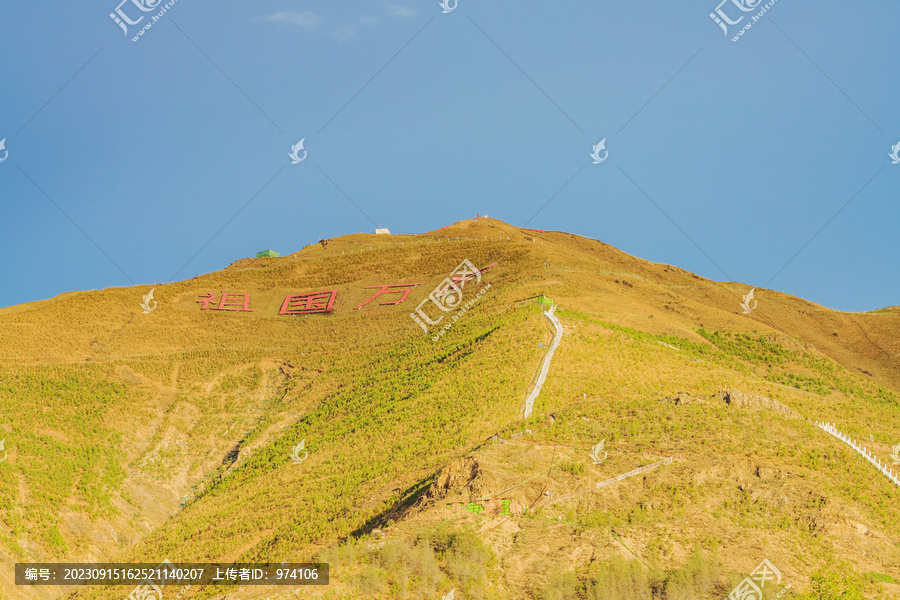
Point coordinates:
pixel 832 586
pixel 464 555
pixel 619 579
pixel 575 468
pixel 696 577
pixel 370 580
pixel 561 586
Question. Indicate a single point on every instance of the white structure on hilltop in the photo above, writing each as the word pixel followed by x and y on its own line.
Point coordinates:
pixel 382 231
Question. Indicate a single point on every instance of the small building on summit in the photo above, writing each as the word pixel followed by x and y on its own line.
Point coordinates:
pixel 267 253
pixel 382 232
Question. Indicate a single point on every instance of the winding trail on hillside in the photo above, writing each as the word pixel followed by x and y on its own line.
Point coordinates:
pixel 529 402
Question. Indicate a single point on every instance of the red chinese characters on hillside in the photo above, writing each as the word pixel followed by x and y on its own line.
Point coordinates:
pixel 234 302
pixel 309 304
pixel 323 302
pixel 406 288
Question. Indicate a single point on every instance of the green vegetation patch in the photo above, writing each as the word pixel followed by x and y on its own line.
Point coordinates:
pixel 428 565
pixel 63 452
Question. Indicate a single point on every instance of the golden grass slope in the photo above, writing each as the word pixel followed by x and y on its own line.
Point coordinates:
pixel 138 436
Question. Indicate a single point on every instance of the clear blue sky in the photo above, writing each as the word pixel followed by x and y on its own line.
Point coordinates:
pixel 174 149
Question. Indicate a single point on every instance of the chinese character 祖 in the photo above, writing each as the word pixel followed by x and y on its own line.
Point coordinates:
pixel 308 304
pixel 228 302
pixel 746 590
pixel 385 289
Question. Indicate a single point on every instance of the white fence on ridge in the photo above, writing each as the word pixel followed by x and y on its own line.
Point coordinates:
pixel 830 428
pixel 637 471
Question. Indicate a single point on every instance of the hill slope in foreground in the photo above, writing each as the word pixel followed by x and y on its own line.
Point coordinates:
pixel 135 436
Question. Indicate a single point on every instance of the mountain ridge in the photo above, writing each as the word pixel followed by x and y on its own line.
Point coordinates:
pixel 203 406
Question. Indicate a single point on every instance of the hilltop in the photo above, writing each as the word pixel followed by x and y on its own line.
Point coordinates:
pixel 137 435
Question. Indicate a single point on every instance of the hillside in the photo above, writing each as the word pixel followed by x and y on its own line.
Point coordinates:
pixel 135 437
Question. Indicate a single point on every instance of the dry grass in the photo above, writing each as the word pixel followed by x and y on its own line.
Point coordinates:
pixel 116 418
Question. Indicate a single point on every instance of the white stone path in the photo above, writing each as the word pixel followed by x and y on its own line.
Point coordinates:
pixel 529 402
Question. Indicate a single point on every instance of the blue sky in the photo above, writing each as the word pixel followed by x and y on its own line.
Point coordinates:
pixel 763 161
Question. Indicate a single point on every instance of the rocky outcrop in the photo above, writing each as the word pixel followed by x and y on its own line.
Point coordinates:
pixel 731 397
pixel 683 398
pixel 751 400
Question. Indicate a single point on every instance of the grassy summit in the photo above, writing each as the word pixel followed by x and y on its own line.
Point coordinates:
pixel 139 437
